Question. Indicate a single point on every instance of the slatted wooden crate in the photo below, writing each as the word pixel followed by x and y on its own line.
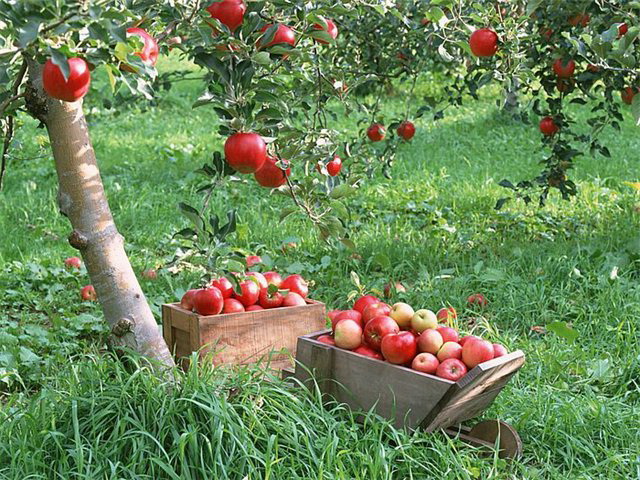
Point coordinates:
pixel 242 338
pixel 410 398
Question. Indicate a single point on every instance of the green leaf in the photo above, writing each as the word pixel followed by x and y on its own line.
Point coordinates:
pixel 348 243
pixel 262 58
pixel 382 260
pixel 285 212
pixel 28 33
pixel 563 330
pixel 342 191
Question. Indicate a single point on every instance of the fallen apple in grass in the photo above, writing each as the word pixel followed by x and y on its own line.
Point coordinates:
pixel 73 262
pixel 402 313
pixel 364 301
pixel 477 299
pixel 392 288
pixel 451 369
pixel 348 334
pixel 424 319
pixel 399 348
pixel 376 329
pixel 449 350
pixel 430 341
pixel 425 363
pixel 447 314
pixel 448 334
pixel 150 274
pixel 88 293
pixel 292 299
pixel 374 310
pixel 476 352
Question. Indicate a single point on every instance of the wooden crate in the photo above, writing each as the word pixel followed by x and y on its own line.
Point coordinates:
pixel 241 338
pixel 411 399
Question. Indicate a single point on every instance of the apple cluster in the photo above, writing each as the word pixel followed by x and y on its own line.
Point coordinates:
pixel 256 291
pixel 422 340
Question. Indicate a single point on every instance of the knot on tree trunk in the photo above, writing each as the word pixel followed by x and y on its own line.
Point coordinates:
pixel 78 240
pixel 122 327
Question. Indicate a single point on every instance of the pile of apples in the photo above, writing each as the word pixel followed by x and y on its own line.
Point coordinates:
pixel 399 335
pixel 257 291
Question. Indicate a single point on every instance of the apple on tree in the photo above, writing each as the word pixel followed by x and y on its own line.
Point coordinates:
pixel 376 132
pixel 406 130
pixel 245 152
pixel 150 50
pixel 70 89
pixel 283 34
pixel 228 12
pixel 334 166
pixel 627 94
pixel 483 42
pixel 271 175
pixel 564 69
pixel 331 29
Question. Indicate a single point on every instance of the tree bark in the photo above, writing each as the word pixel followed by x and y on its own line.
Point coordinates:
pixel 82 199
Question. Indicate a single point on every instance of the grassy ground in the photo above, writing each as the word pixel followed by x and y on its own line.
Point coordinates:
pixel 70 412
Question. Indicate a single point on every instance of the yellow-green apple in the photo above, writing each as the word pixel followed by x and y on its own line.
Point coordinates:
pixel 449 350
pixel 402 313
pixel 475 352
pixel 374 310
pixel 352 314
pixel 430 341
pixel 376 329
pixel 231 305
pixel 425 363
pixel 399 348
pixel 448 334
pixel 224 285
pixel 368 352
pixel 464 340
pixel 446 314
pixel 292 299
pixel 424 319
pixel 208 301
pixel 328 339
pixel 451 369
pixel 187 299
pixel 253 308
pixel 273 278
pixel 364 301
pixel 295 284
pixel 477 299
pixel 499 350
pixel 88 293
pixel 348 334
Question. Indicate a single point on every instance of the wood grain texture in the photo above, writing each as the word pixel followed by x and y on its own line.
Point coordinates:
pixel 241 338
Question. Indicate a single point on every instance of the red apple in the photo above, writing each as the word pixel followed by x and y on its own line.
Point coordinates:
pixel 74 87
pixel 549 128
pixel 399 348
pixel 483 42
pixel 423 320
pixel 451 369
pixel 477 299
pixel 253 308
pixel 376 329
pixel 150 50
pixel 228 12
pixel 328 339
pixel 376 132
pixel 73 262
pixel 368 352
pixel 245 152
pixel 150 274
pixel 208 301
pixel 252 260
pixel 258 278
pixel 475 352
pixel 375 310
pixel 348 334
pixel 224 285
pixel 499 350
pixel 331 29
pixel 334 166
pixel 564 69
pixel 283 34
pixel 231 305
pixel 271 175
pixel 273 278
pixel 88 293
pixel 446 314
pixel 402 313
pixel 295 284
pixel 187 299
pixel 468 338
pixel 430 341
pixel 406 130
pixel 292 299
pixel 449 350
pixel 364 301
pixel 425 363
pixel 273 300
pixel 249 293
pixel 622 29
pixel 627 94
pixel 448 334
pixel 332 314
pixel 352 314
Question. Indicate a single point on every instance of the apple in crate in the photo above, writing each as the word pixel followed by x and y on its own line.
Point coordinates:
pixel 475 352
pixel 328 339
pixel 259 278
pixel 273 278
pixel 292 299
pixel 348 334
pixel 399 348
pixel 499 350
pixel 376 329
pixel 253 308
pixel 270 300
pixel 451 369
pixel 231 305
pixel 425 363
pixel 375 310
pixel 449 350
pixel 295 284
pixel 208 301
pixel 364 301
pixel 224 285
pixel 352 314
pixel 468 338
pixel 430 341
pixel 448 334
pixel 249 293
pixel 424 319
pixel 368 352
pixel 187 299
pixel 402 313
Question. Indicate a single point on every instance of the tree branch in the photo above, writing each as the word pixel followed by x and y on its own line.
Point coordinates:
pixel 5 149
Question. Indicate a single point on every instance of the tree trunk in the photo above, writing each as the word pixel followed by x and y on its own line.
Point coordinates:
pixel 82 199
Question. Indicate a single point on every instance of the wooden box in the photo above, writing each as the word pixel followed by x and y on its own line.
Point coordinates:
pixel 411 399
pixel 240 338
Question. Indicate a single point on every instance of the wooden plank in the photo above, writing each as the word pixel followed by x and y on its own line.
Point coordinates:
pixel 167 330
pixel 474 392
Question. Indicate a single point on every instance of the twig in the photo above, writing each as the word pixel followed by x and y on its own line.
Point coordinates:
pixel 5 149
pixel 297 201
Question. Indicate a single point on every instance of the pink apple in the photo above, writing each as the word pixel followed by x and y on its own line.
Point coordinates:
pixel 424 319
pixel 328 339
pixel 295 284
pixel 448 334
pixel 468 338
pixel 253 260
pixel 451 369
pixel 253 308
pixel 364 301
pixel 292 299
pixel 374 310
pixel 402 313
pixel 376 329
pixel 430 341
pixel 368 352
pixel 475 352
pixel 259 278
pixel 352 314
pixel 449 350
pixel 399 348
pixel 231 305
pixel 273 278
pixel 425 363
pixel 348 334
pixel 499 350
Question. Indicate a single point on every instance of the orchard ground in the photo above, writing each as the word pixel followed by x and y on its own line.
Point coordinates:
pixel 70 410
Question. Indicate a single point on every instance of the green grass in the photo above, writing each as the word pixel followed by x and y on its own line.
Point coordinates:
pixel 70 411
